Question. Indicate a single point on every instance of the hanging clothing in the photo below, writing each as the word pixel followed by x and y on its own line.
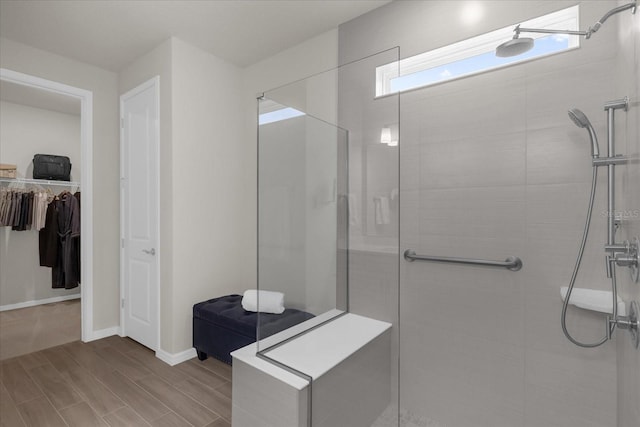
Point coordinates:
pixel 21 222
pixel 66 272
pixel 57 219
pixel 23 210
pixel 78 251
pixel 48 238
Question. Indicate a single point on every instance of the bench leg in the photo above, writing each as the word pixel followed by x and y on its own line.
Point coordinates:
pixel 201 355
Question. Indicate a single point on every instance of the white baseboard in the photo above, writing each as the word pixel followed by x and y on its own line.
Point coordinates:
pixel 174 359
pixel 38 302
pixel 103 333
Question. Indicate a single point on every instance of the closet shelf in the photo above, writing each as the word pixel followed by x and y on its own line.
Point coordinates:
pixel 591 299
pixel 41 182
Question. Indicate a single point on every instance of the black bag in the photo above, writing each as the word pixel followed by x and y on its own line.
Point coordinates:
pixel 54 168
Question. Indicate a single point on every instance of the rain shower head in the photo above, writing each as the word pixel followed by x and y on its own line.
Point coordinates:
pixel 517 45
pixel 514 47
pixel 581 120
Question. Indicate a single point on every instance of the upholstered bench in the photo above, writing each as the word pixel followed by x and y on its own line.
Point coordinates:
pixel 221 326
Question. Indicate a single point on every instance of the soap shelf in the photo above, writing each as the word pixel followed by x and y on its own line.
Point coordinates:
pixel 591 299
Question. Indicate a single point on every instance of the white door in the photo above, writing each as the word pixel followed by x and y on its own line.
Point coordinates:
pixel 139 213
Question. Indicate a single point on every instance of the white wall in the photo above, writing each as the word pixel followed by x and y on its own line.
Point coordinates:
pixel 25 131
pixel 25 59
pixel 491 166
pixel 209 166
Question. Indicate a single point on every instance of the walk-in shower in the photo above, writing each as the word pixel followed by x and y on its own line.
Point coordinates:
pixel 475 336
pixel 625 254
pixel 519 45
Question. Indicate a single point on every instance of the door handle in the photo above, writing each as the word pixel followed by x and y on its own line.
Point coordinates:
pixel 150 252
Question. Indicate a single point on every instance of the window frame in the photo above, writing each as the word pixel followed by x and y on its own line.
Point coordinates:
pixel 564 19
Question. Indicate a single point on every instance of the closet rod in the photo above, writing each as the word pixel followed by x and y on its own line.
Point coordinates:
pixel 41 182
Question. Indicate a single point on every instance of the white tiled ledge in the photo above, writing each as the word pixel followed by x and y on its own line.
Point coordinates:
pixel 594 300
pixel 379 245
pixel 247 354
pixel 387 250
pixel 317 351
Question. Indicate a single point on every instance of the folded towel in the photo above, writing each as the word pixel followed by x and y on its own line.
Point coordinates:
pixel 270 302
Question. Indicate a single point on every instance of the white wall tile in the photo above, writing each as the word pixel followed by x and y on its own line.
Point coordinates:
pixel 480 161
pixel 558 382
pixel 473 212
pixel 256 393
pixel 464 380
pixel 468 114
pixel 628 142
pixel 357 391
pixel 552 92
pixel 558 155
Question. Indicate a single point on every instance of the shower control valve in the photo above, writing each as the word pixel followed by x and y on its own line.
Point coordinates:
pixel 625 254
pixel 631 256
pixel 618 247
pixel 630 323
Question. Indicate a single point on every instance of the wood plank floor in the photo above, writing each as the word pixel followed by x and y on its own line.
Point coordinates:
pixel 112 382
pixel 26 330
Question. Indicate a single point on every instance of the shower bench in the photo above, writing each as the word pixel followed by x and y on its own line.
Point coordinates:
pixel 336 360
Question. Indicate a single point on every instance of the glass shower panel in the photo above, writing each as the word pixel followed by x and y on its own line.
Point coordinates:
pixel 299 216
pixel 328 241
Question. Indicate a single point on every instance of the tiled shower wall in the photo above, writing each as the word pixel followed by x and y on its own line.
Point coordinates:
pixel 628 130
pixel 491 166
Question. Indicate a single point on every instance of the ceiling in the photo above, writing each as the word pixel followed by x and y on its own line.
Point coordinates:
pixel 112 33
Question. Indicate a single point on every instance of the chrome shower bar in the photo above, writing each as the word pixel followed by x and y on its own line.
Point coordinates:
pixel 512 263
pixel 610 107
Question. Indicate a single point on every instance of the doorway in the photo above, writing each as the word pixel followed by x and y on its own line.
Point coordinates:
pixel 42 94
pixel 140 213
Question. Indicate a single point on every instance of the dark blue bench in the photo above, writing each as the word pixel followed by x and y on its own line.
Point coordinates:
pixel 221 326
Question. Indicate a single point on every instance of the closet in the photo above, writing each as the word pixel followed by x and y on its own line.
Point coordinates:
pixel 36 312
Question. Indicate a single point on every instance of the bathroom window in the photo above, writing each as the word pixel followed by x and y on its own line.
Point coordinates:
pixel 476 55
pixel 271 112
pixel 278 115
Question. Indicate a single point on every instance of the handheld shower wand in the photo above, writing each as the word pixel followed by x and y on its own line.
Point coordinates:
pixel 581 120
pixel 621 254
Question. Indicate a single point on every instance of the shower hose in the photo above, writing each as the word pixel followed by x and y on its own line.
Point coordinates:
pixel 585 234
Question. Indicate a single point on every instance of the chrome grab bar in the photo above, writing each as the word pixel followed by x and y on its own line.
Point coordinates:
pixel 512 263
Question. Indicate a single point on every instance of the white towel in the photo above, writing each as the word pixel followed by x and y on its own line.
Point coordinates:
pixel 270 302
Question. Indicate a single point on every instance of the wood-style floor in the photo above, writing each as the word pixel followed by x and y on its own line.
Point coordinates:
pixel 112 382
pixel 30 329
